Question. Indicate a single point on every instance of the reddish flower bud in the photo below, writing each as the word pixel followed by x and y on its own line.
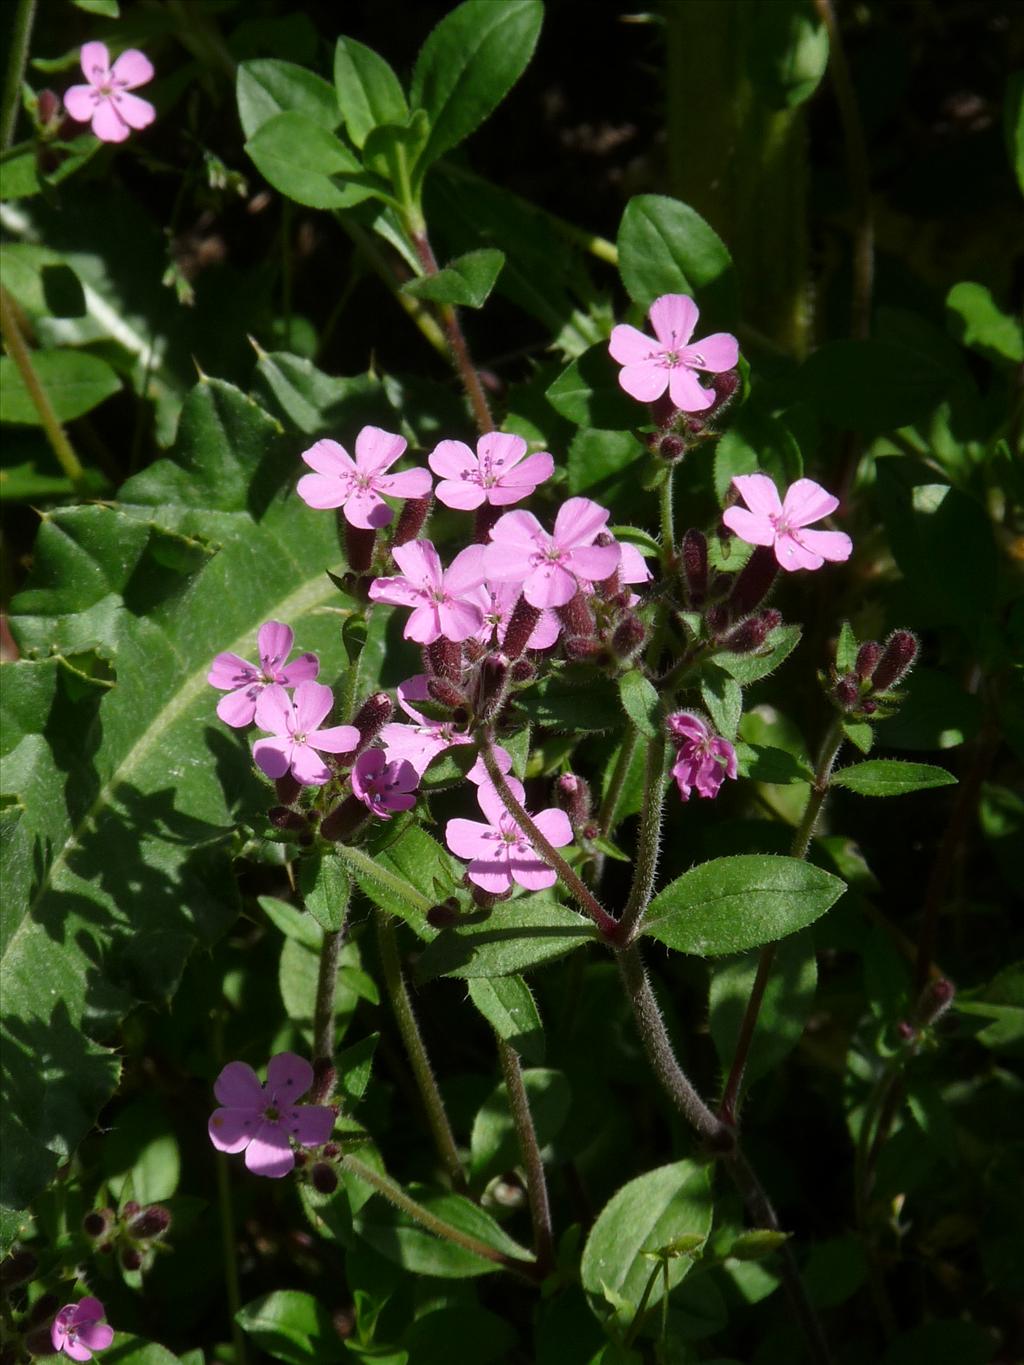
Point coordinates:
pixel 693 553
pixel 344 820
pixel 671 448
pixel 935 1000
pixel 896 661
pixel 725 386
pixel 717 618
pixel 411 519
pixel 47 107
pixel 579 648
pixel 754 581
pixel 492 686
pixel 358 545
pixel 628 637
pixel 444 659
pixel 330 1151
pixel 445 693
pixel 867 658
pixel 287 789
pixel 375 711
pixel 486 516
pixel 906 1030
pixel 572 793
pixel 150 1223
pixel 869 707
pixel 576 617
pixel 521 626
pixel 96 1223
pixel 522 671
pixel 485 899
pixel 131 1259
pixel 324 1178
pixel 610 587
pixel 747 636
pixel 443 915
pixel 130 1209
pixel 283 818
pixel 846 693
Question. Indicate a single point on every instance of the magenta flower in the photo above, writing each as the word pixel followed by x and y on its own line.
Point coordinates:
pixel 497 602
pixel 105 101
pixel 501 854
pixel 497 473
pixel 297 737
pixel 356 485
pixel 78 1331
pixel 781 524
pixel 441 599
pixel 703 759
pixel 551 567
pixel 261 1120
pixel 244 682
pixel 418 744
pixel 650 367
pixel 382 785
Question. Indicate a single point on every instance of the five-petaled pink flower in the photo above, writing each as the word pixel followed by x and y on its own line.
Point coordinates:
pixel 497 602
pixel 500 853
pixel 551 568
pixel 105 101
pixel 384 785
pixel 78 1331
pixel 261 1119
pixel 297 737
pixel 673 361
pixel 703 759
pixel 244 682
pixel 420 743
pixel 356 485
pixel 497 473
pixel 441 599
pixel 782 524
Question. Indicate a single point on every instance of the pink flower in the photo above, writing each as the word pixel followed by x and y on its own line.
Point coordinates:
pixel 78 1331
pixel 427 739
pixel 497 473
pixel 244 682
pixel 382 785
pixel 649 368
pixel 771 522
pixel 297 738
pixel 441 600
pixel 261 1119
pixel 551 567
pixel 497 602
pixel 703 759
pixel 501 854
pixel 356 485
pixel 105 102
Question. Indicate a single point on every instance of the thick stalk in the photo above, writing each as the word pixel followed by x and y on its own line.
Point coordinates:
pixel 21 35
pixel 668 534
pixel 572 883
pixel 457 342
pixel 536 1181
pixel 437 1116
pixel 648 843
pixel 19 353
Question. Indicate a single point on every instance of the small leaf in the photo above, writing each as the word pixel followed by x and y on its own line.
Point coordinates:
pixel 979 323
pixel 587 392
pixel 74 381
pixel 890 777
pixel 308 164
pixel 757 1243
pixel 324 885
pixel 846 649
pixel 291 1326
pixel 420 1252
pixel 860 733
pixel 354 1065
pixel 666 247
pixel 730 904
pixel 466 281
pixel 508 1006
pixel 749 668
pixel 494 1147
pixel 640 702
pixel 723 697
pixel 292 922
pixel 368 91
pixel 105 9
pixel 512 937
pixel 266 87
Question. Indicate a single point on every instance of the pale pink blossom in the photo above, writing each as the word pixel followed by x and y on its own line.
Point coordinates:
pixel 551 568
pixel 782 524
pixel 500 854
pixel 673 361
pixel 497 473
pixel 441 599
pixel 385 786
pixel 356 485
pixel 105 101
pixel 244 681
pixel 703 759
pixel 298 741
pixel 77 1330
pixel 261 1120
pixel 421 742
pixel 497 602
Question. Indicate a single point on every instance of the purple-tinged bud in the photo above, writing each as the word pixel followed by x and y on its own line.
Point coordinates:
pixel 486 516
pixel 301 1158
pixel 130 1209
pixel 906 1030
pixel 579 648
pixel 896 661
pixel 725 386
pixel 749 635
pixel 576 617
pixel 283 818
pixel 754 581
pixel 473 650
pixel 17 1268
pixel 96 1223
pixel 492 686
pixel 324 1178
pixel 151 1223
pixel 358 544
pixel 522 671
pixel 935 1000
pixel 330 1151
pixel 445 693
pixel 572 793
pixel 867 659
pixel 131 1259
pixel 444 915
pixel 663 411
pixel 444 659
pixel 610 587
pixel 344 820
pixel 287 789
pixel 47 107
pixel 522 623
pixel 693 553
pixel 694 425
pixel 628 638
pixel 671 448
pixel 869 707
pixel 846 693
pixel 411 519
pixel 485 899
pixel 375 711
pixel 717 618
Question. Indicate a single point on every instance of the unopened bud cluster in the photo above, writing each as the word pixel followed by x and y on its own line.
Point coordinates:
pixel 131 1233
pixel 865 692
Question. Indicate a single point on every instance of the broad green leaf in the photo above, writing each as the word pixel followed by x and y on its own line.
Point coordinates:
pixel 640 703
pixel 785 47
pixel 307 163
pixel 765 763
pixel 731 904
pixel 292 922
pixel 74 381
pixel 561 702
pixel 604 463
pixel 494 1147
pixel 890 777
pixel 140 1157
pixel 835 1270
pixel 508 1006
pixel 128 1350
pixel 666 247
pixel 325 889
pixel 265 87
pixel 392 146
pixel 292 388
pixel 645 1216
pixel 723 697
pixel 756 442
pixel 787 1003
pixel 511 937
pixel 748 668
pixel 291 1326
pixel 467 66
pixel 368 91
pixel 466 281
pixel 587 392
pixel 420 1252
pixel 870 386
pixel 980 323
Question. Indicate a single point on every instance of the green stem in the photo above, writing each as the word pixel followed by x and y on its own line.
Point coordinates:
pixel 529 1148
pixel 21 36
pixel 641 1308
pixel 668 533
pixel 606 816
pixel 648 842
pixel 19 353
pixel 326 987
pixel 420 315
pixel 405 1017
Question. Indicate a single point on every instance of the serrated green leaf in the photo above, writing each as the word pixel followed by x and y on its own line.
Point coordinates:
pixel 511 937
pixel 508 1006
pixel 307 163
pixel 293 389
pixel 291 1326
pixel 666 247
pixel 368 91
pixel 494 1147
pixel 266 86
pixel 74 381
pixel 890 777
pixel 466 281
pixel 640 703
pixel 860 733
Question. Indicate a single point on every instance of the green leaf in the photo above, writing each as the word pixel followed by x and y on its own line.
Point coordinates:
pixel 666 247
pixel 63 295
pixel 890 777
pixel 785 49
pixel 105 9
pixel 646 1215
pixel 432 1338
pixel 508 1006
pixel 748 668
pixel 846 649
pixel 266 87
pixel 978 322
pixel 466 281
pixel 129 1350
pixel 561 702
pixel 307 163
pixel 731 904
pixel 292 922
pixel 494 1147
pixel 354 1065
pixel 74 381
pixel 870 386
pixel 467 66
pixel 291 1326
pixel 394 875
pixel 640 703
pixel 723 697
pixel 420 1252
pixel 605 464
pixel 587 392
pixel 368 91
pixel 511 937
pixel 787 1003
pixel 325 890
pixel 1013 124
pixel 765 763
pixel 306 398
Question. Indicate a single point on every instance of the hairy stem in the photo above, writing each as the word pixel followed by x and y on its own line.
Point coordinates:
pixel 536 1181
pixel 437 1116
pixel 21 35
pixel 648 843
pixel 461 358
pixel 326 986
pixel 668 534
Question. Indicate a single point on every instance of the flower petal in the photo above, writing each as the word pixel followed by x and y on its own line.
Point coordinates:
pixel 132 68
pixel 554 825
pixel 453 460
pixel 687 392
pixel 807 501
pixel 416 745
pixel 629 346
pixel 749 526
pixel 229 671
pixel 791 555
pixel 367 510
pixel 107 124
pixel 80 102
pixel 758 491
pixel 377 450
pixel 410 483
pixel 76 1350
pixel 396 592
pixel 308 767
pixel 423 625
pixel 289 1076
pixel 715 353
pixel 336 739
pixel 136 112
pixel 238 709
pixel 95 59
pixel 420 563
pixel 594 562
pixel 274 641
pixel 273 756
pixel 491 874
pixel 579 520
pixel 269 1153
pixel 632 565
pixel 460 495
pixel 470 838
pixel 528 473
pixel 466 571
pixel 330 459
pixel 832 545
pixel 549 585
pixel 320 492
pixel 458 620
pixel 303 669
pixel 231 1130
pixel 533 873
pixel 416 688
pixel 479 775
pixel 644 382
pixel 491 803
pixel 311 1124
pixel 313 701
pixel 274 710
pixel 96 1335
pixel 673 317
pixel 507 563
pixel 89 1309
pixel 521 530
pixel 239 1087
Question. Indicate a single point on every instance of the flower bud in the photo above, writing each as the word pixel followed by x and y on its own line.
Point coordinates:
pixel 572 793
pixel 717 618
pixel 324 1178
pixel 725 386
pixel 671 448
pixel 846 693
pixel 283 818
pixel 130 1209
pixel 358 544
pixel 492 686
pixel 906 1030
pixel 151 1223
pixel 485 899
pixel 96 1223
pixel 867 659
pixel 47 107
pixel 753 582
pixel 869 707
pixel 522 623
pixel 935 1000
pixel 486 516
pixel 750 634
pixel 693 553
pixel 610 587
pixel 344 819
pixel 287 789
pixel 375 711
pixel 411 519
pixel 896 661
pixel 628 638
pixel 445 693
pixel 444 659
pixel 131 1259
pixel 443 915
pixel 579 648
pixel 576 617
pixel 522 671
pixel 330 1151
